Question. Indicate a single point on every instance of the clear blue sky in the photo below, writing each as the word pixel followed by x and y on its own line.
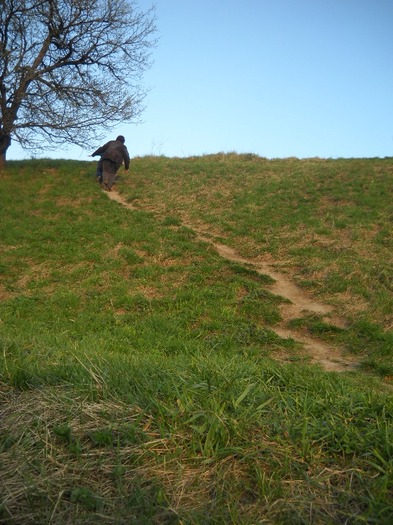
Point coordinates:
pixel 279 78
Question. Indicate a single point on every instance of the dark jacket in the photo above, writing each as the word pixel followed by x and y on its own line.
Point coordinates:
pixel 115 151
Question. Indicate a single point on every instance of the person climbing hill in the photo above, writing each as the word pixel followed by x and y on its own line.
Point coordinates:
pixel 113 154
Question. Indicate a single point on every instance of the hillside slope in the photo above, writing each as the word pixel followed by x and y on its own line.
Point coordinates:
pixel 143 377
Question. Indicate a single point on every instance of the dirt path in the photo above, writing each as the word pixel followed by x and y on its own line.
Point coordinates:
pixel 329 357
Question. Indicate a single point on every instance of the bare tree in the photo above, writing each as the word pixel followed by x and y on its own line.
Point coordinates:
pixel 70 69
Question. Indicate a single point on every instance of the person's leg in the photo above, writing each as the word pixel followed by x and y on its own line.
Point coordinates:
pixel 109 174
pixel 112 178
pixel 99 171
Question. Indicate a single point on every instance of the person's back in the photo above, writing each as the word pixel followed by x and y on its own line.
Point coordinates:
pixel 117 152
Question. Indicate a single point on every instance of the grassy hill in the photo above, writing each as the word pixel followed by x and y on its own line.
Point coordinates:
pixel 142 377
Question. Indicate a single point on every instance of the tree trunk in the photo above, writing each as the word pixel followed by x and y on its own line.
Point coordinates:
pixel 5 142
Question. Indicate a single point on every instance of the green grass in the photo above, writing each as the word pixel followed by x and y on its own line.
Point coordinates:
pixel 327 222
pixel 141 377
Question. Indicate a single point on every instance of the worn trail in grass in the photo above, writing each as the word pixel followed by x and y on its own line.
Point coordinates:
pixel 328 356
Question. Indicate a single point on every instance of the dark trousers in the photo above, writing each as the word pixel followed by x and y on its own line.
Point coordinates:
pixel 99 171
pixel 109 171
